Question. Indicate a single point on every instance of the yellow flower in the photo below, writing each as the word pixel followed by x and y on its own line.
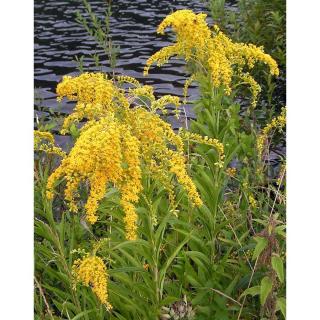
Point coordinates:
pixel 252 201
pixel 118 143
pixel 189 136
pixel 254 87
pixel 211 52
pixel 143 91
pixel 231 172
pixel 96 97
pixel 177 166
pixel 161 57
pixel 161 103
pixel 97 157
pixel 277 123
pixel 91 271
pixel 186 87
pixel 281 174
pixel 127 79
pixel 44 141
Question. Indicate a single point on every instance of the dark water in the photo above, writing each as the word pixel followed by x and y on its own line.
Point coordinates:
pixel 58 39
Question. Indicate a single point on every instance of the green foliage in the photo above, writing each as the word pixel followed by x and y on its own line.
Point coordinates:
pixel 261 245
pixel 277 265
pixel 232 219
pixel 265 289
pixel 281 305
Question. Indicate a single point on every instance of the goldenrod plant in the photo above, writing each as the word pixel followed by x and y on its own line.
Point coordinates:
pixel 117 143
pixel 264 24
pixel 139 221
pixel 212 53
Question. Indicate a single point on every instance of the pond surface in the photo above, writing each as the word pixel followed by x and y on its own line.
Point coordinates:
pixel 59 39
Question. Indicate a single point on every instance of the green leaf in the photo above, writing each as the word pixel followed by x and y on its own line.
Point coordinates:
pixel 163 270
pixel 253 291
pixel 169 300
pixel 80 315
pixel 281 305
pixel 277 265
pixel 125 270
pixel 201 256
pixel 265 289
pixel 74 131
pixel 261 244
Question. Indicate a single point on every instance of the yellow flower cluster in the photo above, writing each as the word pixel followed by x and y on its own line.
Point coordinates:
pixel 164 101
pixel 130 186
pixel 141 92
pixel 44 141
pixel 277 123
pixel 187 83
pixel 255 88
pixel 229 208
pixel 91 271
pixel 104 153
pixel 177 166
pixel 281 174
pixel 88 88
pixel 231 172
pixel 96 96
pixel 120 137
pixel 127 79
pixel 157 139
pixel 186 135
pixel 42 135
pixel 212 52
pixel 252 202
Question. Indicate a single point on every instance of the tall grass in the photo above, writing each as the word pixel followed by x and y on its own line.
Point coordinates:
pixel 99 29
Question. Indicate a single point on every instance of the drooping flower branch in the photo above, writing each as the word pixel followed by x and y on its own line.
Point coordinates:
pixel 123 137
pixel 227 63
